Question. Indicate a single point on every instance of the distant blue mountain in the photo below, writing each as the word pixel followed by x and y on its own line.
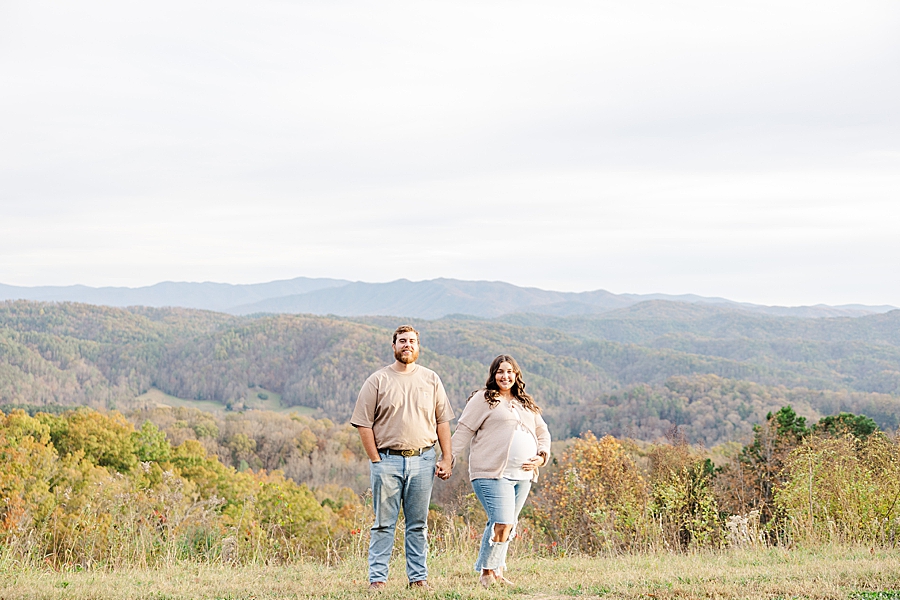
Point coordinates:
pixel 206 295
pixel 436 298
pixel 430 299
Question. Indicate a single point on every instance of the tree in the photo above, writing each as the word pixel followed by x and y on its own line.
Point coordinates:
pixel 750 481
pixel 150 443
pixel 105 439
pixel 859 426
pixel 29 463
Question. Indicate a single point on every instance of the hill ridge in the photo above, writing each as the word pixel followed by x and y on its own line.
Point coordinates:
pixel 429 299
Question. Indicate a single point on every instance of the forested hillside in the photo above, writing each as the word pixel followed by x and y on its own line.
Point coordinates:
pixel 646 322
pixel 861 354
pixel 636 372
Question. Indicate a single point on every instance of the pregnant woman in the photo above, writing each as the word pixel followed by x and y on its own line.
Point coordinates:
pixel 509 441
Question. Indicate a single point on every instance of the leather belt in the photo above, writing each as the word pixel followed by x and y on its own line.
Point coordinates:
pixel 406 453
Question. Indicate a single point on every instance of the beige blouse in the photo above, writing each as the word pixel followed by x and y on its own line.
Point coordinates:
pixel 490 431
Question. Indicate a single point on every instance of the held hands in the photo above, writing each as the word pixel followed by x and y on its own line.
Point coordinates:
pixel 444 468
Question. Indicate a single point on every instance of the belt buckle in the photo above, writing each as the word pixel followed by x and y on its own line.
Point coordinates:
pixel 407 453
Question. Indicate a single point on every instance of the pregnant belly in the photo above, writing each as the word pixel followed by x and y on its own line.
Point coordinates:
pixel 522 448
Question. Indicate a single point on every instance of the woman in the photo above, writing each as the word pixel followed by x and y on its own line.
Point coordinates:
pixel 509 441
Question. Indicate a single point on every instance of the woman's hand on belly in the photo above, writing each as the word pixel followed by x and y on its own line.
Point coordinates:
pixel 533 463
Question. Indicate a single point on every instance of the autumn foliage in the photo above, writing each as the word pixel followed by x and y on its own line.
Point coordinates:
pixel 597 499
pixel 85 488
pixel 837 481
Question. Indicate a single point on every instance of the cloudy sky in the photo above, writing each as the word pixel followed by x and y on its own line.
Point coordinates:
pixel 741 149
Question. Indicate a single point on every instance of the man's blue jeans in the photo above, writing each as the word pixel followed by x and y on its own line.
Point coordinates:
pixel 502 500
pixel 399 481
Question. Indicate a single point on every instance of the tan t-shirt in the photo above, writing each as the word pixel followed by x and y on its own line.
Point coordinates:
pixel 403 409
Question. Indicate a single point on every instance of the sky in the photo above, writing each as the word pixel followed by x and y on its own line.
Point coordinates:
pixel 748 150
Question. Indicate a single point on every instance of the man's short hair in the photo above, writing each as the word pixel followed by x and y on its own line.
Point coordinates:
pixel 404 329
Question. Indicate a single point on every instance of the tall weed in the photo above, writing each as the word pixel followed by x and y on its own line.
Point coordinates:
pixel 842 489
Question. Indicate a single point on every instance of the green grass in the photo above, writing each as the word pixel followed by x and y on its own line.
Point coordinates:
pixel 839 573
pixel 251 401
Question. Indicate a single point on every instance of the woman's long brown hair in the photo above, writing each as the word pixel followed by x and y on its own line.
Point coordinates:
pixel 492 390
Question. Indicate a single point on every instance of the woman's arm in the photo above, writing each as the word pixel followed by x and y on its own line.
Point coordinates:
pixel 461 438
pixel 542 433
pixel 469 422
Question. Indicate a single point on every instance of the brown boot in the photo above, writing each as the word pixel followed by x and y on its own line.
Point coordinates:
pixel 422 585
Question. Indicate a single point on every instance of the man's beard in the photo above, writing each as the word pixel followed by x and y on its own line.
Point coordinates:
pixel 412 357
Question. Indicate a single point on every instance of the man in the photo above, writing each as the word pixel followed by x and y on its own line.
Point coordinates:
pixel 402 410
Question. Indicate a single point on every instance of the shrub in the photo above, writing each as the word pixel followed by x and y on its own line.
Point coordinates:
pixel 683 502
pixel 597 499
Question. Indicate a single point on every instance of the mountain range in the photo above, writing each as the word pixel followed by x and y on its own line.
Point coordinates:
pixel 430 299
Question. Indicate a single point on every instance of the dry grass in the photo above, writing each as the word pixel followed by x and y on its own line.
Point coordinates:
pixel 770 573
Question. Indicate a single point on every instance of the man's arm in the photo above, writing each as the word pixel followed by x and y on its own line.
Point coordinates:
pixel 445 465
pixel 368 441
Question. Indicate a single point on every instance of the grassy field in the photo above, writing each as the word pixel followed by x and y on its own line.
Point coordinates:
pixel 251 401
pixel 846 573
